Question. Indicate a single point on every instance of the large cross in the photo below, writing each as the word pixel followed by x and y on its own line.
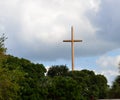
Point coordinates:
pixel 72 46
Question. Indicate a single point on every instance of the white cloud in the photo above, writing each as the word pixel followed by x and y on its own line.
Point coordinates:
pixel 108 61
pixel 110 75
pixel 108 64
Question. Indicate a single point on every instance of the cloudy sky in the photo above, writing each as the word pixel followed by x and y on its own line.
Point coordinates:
pixel 36 29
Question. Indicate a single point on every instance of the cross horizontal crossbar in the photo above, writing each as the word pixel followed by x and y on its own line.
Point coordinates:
pixel 72 40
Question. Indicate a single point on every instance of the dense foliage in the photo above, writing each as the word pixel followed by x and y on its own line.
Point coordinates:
pixel 85 84
pixel 2 46
pixel 20 77
pixel 115 89
pixel 57 70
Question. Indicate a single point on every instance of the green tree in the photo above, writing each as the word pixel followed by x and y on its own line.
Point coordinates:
pixel 93 86
pixel 9 87
pixel 2 49
pixel 57 70
pixel 33 73
pixel 63 88
pixel 115 89
pixel 101 82
pixel 21 79
pixel 2 46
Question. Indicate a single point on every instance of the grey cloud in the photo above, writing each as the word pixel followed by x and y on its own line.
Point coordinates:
pixel 36 29
pixel 108 21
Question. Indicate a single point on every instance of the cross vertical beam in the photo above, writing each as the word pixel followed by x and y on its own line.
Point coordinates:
pixel 72 46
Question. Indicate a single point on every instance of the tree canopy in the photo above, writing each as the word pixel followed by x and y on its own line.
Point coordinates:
pixel 2 45
pixel 114 91
pixel 57 70
pixel 87 84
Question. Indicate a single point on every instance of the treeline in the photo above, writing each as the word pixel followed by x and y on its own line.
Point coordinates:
pixel 21 79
